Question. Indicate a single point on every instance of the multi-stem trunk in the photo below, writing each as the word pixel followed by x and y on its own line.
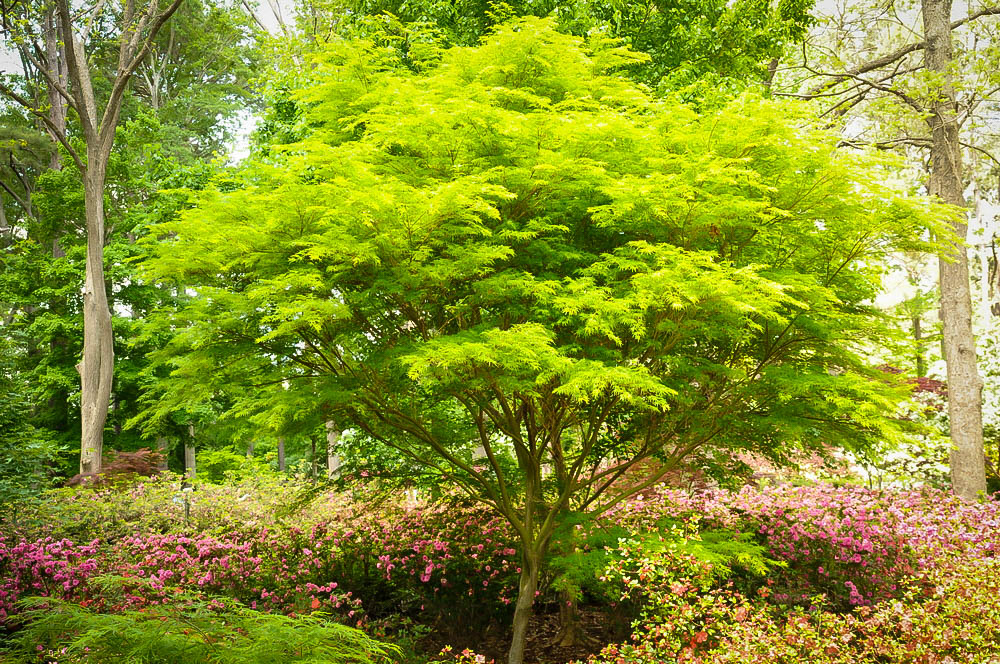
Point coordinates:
pixel 97 366
pixel 968 464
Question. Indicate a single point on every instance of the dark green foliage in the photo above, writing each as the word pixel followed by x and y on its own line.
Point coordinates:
pixel 27 454
pixel 706 43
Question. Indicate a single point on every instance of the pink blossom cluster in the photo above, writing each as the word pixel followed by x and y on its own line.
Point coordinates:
pixel 47 566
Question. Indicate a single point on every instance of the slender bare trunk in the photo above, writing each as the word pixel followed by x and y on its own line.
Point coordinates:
pixel 523 608
pixel 190 464
pixel 281 454
pixel 161 447
pixel 4 224
pixel 968 468
pixel 332 459
pixel 250 448
pixel 97 366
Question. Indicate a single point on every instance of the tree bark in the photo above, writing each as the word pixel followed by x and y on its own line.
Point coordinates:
pixel 190 465
pixel 918 343
pixel 571 632
pixel 523 608
pixel 968 464
pixel 97 367
pixel 332 459
pixel 161 447
pixel 281 454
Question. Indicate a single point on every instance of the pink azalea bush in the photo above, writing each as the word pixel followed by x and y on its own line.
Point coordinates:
pixel 941 603
pixel 857 575
pixel 48 567
pixel 345 557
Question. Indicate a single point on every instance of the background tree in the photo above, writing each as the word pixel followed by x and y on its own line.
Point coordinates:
pixel 513 259
pixel 98 117
pixel 693 42
pixel 911 91
pixel 201 66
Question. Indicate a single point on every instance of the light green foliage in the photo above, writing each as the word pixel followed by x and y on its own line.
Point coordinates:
pixel 189 630
pixel 517 260
pixel 583 549
pixel 221 464
pixel 728 551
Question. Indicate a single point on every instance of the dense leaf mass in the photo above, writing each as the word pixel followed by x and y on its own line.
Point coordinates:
pixel 519 245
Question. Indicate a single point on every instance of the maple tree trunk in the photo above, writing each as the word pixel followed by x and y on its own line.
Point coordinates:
pixel 523 607
pixel 968 468
pixel 281 454
pixel 97 366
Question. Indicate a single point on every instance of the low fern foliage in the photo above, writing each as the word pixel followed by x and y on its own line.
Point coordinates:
pixel 190 630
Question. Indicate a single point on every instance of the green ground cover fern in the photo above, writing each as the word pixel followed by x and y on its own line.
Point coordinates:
pixel 191 630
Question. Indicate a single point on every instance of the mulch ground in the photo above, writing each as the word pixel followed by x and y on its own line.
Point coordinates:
pixel 542 648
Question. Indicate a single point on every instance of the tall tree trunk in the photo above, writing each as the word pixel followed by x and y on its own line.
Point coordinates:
pixel 919 346
pixel 968 468
pixel 97 367
pixel 66 68
pixel 190 463
pixel 332 459
pixel 281 454
pixel 525 603
pixel 161 447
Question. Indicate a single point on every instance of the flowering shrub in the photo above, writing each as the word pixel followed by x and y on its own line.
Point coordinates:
pixel 941 605
pixel 338 556
pixel 953 617
pixel 450 560
pixel 49 567
pixel 846 543
pixel 825 573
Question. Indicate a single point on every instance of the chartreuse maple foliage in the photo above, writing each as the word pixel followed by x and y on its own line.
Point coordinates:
pixel 515 259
